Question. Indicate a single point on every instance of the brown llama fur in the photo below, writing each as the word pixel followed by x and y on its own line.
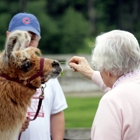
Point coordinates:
pixel 21 63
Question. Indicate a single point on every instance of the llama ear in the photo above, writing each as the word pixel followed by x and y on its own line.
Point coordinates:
pixel 25 66
pixel 8 54
pixel 11 40
pixel 16 41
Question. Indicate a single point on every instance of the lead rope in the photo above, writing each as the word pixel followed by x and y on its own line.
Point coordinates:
pixel 41 97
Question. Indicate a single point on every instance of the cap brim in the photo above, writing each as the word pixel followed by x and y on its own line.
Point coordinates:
pixel 28 28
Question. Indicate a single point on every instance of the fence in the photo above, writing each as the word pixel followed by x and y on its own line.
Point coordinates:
pixel 73 82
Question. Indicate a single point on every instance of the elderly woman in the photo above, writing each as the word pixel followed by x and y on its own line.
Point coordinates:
pixel 116 58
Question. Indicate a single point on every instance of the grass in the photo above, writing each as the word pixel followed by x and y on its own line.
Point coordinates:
pixel 81 111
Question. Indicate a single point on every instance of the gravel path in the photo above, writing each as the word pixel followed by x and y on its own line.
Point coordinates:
pixel 88 94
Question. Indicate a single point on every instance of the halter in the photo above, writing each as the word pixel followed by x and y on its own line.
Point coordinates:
pixel 39 73
pixel 41 97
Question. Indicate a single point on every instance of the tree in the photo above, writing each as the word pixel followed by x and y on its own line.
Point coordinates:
pixel 22 5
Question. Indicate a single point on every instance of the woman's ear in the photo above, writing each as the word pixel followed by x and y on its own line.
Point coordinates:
pixel 109 74
pixel 7 33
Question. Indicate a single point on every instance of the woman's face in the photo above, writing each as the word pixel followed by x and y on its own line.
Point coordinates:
pixel 106 78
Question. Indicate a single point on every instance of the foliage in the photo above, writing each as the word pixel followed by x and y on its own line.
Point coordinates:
pixel 69 26
pixel 73 33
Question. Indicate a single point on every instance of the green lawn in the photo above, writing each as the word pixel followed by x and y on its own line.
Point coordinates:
pixel 80 111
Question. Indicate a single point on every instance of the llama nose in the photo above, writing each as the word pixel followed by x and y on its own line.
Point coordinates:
pixel 55 64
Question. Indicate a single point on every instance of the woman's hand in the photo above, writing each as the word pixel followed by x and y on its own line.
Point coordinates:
pixel 81 65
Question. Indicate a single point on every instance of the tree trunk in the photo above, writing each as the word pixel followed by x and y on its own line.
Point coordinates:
pixel 91 13
pixel 22 5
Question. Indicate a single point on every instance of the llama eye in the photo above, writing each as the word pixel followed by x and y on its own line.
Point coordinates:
pixel 26 66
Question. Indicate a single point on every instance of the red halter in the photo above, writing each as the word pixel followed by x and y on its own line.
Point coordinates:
pixel 40 73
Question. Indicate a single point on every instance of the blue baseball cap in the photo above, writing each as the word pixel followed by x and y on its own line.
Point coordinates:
pixel 26 22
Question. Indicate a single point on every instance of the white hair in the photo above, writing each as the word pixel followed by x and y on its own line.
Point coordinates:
pixel 117 52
